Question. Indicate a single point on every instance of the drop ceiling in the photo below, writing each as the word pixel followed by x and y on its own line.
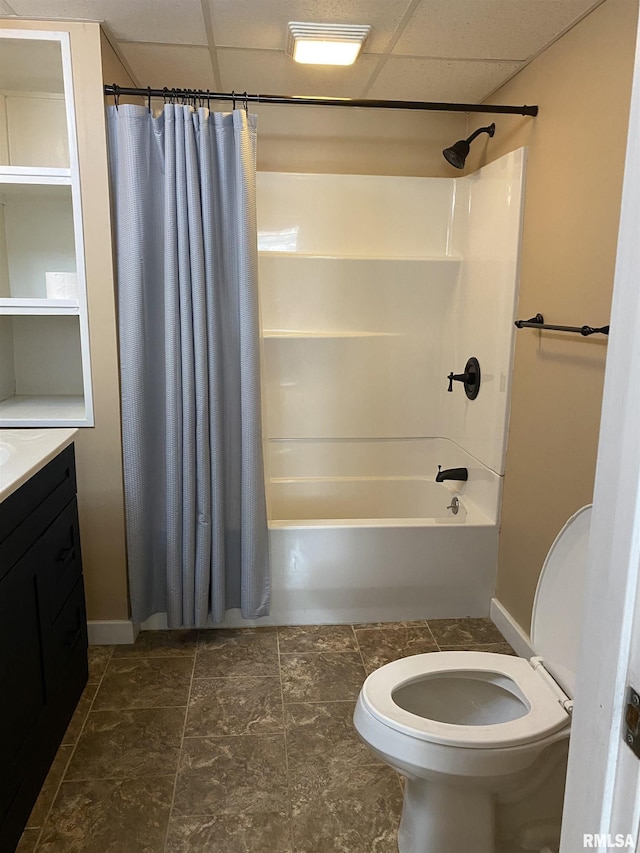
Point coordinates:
pixel 432 50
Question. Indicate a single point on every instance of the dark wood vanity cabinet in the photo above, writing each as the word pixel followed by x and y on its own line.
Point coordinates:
pixel 43 634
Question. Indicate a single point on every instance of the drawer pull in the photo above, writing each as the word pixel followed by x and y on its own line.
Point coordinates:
pixel 66 555
pixel 71 637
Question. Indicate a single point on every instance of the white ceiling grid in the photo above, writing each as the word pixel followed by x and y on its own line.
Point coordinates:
pixel 432 50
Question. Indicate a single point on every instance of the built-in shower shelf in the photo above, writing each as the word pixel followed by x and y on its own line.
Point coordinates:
pixel 295 334
pixel 265 253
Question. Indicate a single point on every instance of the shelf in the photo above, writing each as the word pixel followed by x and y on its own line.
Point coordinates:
pixel 28 411
pixel 267 253
pixel 34 175
pixel 295 334
pixel 48 307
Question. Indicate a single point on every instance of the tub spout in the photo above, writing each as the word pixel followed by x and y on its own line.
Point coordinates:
pixel 451 474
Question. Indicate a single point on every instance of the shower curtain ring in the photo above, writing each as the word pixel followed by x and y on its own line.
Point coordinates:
pixel 116 96
pixel 208 100
pixel 165 94
pixel 149 98
pixel 233 99
pixel 246 103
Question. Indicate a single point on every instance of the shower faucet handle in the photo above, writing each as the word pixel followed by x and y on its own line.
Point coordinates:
pixel 470 378
pixel 456 377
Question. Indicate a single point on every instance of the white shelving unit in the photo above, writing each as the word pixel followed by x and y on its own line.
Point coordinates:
pixel 45 375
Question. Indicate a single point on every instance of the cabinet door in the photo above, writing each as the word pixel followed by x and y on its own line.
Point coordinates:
pixel 61 564
pixel 23 693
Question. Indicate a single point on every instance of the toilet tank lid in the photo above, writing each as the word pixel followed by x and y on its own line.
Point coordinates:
pixel 556 624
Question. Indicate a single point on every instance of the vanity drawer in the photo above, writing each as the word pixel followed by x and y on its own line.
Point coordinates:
pixel 27 513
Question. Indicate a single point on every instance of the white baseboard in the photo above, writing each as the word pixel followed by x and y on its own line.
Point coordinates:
pixel 511 630
pixel 116 632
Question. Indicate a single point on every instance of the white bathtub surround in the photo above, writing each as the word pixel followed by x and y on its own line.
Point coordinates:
pixel 380 286
pixel 353 312
pixel 361 216
pixel 347 341
pixel 304 475
pixel 486 233
pixel 372 290
pixel 361 532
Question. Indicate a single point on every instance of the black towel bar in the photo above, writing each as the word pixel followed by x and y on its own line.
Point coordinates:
pixel 538 322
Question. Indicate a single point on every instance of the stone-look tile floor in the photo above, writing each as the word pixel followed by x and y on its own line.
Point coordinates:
pixel 232 741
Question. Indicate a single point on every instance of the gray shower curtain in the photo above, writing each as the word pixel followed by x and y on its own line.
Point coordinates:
pixel 183 187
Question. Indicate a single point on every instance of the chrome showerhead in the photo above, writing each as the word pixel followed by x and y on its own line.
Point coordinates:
pixel 458 152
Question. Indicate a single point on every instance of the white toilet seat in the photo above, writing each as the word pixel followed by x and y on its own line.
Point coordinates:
pixel 543 716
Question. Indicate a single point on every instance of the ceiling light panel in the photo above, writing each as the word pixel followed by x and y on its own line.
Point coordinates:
pixel 326 44
pixel 248 69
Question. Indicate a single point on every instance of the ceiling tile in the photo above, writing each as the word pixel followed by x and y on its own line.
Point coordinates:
pixel 487 29
pixel 162 21
pixel 275 73
pixel 411 79
pixel 264 25
pixel 163 65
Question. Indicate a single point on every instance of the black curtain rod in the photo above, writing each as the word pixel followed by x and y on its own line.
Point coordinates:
pixel 244 98
pixel 538 322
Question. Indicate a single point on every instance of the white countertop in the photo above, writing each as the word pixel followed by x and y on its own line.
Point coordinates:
pixel 23 452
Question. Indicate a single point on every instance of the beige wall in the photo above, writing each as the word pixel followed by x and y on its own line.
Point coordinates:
pixel 112 69
pixel 98 449
pixel 342 140
pixel 576 149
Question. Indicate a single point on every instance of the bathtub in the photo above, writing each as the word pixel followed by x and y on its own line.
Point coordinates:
pixel 360 532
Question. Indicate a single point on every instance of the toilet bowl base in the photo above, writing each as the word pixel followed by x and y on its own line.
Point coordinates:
pixel 441 818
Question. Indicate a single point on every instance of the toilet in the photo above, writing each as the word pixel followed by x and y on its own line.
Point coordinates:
pixel 482 738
